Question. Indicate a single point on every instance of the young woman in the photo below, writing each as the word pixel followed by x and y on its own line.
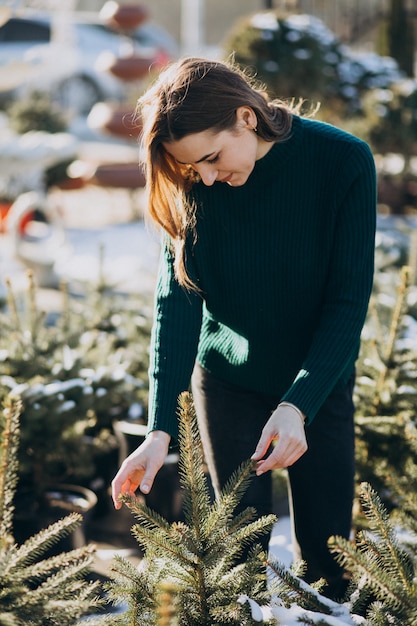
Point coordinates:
pixel 264 282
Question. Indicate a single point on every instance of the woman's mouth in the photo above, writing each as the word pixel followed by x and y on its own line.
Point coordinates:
pixel 226 179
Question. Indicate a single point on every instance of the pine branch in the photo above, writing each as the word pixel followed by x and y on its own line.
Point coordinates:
pixel 379 566
pixel 161 542
pixel 11 303
pixel 231 495
pixel 377 615
pixel 37 545
pixel 392 336
pixel 196 498
pixel 72 565
pixel 363 567
pixel 9 469
pixel 294 590
pixel 393 557
pixel 134 586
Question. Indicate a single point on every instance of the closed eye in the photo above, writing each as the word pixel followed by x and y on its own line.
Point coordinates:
pixel 213 160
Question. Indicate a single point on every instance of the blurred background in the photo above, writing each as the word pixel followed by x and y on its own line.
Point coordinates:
pixel 71 73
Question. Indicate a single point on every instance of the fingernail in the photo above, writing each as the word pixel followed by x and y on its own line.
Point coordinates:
pixel 144 488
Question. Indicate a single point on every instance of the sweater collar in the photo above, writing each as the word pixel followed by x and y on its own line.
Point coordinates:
pixel 281 152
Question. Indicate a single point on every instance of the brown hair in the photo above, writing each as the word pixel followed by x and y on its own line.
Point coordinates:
pixel 191 96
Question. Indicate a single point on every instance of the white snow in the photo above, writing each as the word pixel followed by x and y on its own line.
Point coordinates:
pixel 280 545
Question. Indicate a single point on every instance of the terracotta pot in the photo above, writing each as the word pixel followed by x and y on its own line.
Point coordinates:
pixel 125 17
pixel 120 121
pixel 126 68
pixel 124 175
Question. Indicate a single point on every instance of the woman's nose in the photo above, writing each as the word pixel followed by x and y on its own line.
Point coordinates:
pixel 208 174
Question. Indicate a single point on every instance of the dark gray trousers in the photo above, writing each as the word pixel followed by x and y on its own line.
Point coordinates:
pixel 321 482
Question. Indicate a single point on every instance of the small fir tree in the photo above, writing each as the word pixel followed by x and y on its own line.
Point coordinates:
pixel 33 589
pixel 385 395
pixel 200 556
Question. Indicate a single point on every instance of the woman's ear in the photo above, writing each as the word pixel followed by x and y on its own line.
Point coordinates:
pixel 246 117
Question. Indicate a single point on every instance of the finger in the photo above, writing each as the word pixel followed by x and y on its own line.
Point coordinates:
pixel 262 448
pixel 121 485
pixel 115 492
pixel 147 482
pixel 281 457
pixel 132 488
pixel 146 486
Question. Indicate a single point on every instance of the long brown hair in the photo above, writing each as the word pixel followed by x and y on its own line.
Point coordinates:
pixel 191 96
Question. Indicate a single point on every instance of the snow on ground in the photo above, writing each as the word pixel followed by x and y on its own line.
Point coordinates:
pixel 103 233
pixel 128 252
pixel 280 545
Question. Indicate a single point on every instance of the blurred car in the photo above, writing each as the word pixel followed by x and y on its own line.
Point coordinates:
pixel 43 53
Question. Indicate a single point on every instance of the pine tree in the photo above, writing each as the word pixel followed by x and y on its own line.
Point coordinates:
pixel 385 393
pixel 383 570
pixel 200 556
pixel 34 590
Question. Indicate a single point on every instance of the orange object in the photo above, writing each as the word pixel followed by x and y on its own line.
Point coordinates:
pixel 4 209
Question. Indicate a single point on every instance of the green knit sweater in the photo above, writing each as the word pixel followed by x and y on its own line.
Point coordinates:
pixel 285 268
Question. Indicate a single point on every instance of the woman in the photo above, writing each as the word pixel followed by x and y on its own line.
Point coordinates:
pixel 264 282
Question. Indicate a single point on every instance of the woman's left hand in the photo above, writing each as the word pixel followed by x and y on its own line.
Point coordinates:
pixel 286 428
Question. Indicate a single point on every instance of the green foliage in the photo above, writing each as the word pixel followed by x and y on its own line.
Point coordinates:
pixel 383 571
pixel 199 557
pixel 294 55
pixel 298 57
pixel 36 112
pixel 75 376
pixel 386 433
pixel 390 115
pixel 37 590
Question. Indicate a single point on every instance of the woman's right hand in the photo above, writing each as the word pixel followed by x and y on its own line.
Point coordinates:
pixel 140 468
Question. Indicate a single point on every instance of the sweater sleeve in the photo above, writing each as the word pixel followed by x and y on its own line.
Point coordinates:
pixel 174 342
pixel 335 343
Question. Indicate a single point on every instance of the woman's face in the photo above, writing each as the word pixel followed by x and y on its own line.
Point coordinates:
pixel 228 156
